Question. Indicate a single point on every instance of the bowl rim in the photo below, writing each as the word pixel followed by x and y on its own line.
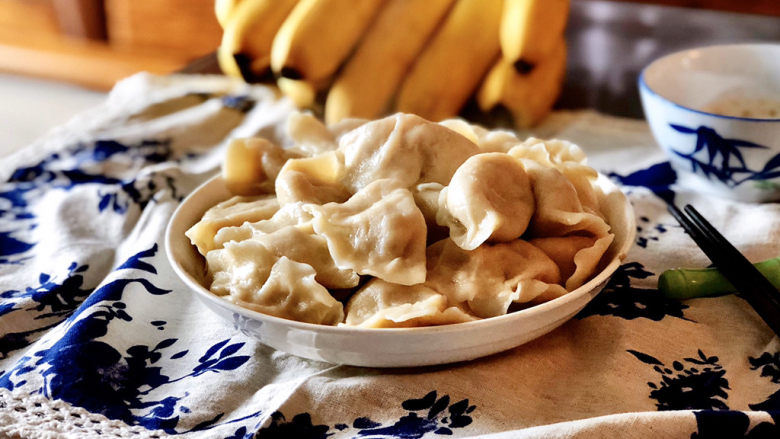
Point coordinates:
pixel 592 284
pixel 644 86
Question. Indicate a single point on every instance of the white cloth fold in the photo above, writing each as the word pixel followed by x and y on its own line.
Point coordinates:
pixel 95 325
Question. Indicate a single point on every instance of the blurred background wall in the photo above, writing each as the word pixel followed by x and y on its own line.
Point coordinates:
pixel 95 42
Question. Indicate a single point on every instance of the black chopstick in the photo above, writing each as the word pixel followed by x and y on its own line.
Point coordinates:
pixel 693 231
pixel 755 288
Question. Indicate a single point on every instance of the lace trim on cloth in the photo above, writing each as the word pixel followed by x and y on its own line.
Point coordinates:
pixel 31 416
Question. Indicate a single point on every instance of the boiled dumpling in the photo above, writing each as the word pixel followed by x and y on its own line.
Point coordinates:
pixel 491 277
pixel 405 149
pixel 426 196
pixel 488 199
pixel 583 179
pixel 288 215
pixel 300 244
pixel 486 140
pixel 551 153
pixel 381 304
pixel 308 135
pixel 289 233
pixel 312 180
pixel 587 261
pixel 239 268
pixel 252 164
pixel 232 212
pixel 567 158
pixel 250 275
pixel 379 231
pixel 577 256
pixel 562 249
pixel 559 211
pixel 346 125
pixel 291 292
pixel 465 129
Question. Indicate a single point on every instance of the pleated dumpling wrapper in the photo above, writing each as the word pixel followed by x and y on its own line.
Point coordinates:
pixel 379 231
pixel 461 285
pixel 231 212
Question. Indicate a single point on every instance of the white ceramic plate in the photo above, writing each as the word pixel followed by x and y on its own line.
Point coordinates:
pixel 393 347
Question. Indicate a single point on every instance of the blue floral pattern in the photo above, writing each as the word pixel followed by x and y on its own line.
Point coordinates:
pixel 649 231
pixel 78 366
pixel 87 372
pixel 620 299
pixel 72 168
pixel 769 365
pixel 699 383
pixel 50 300
pixel 430 415
pixel 658 178
pixel 696 382
pixel 733 424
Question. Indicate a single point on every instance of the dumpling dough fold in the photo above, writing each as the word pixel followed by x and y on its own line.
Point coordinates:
pixel 312 180
pixel 559 210
pixel 248 274
pixel 231 212
pixel 289 233
pixel 488 199
pixel 577 256
pixel 405 149
pixel 381 304
pixel 567 158
pixel 491 277
pixel 252 164
pixel 379 231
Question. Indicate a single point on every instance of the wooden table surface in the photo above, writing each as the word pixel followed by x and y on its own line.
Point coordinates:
pixel 610 43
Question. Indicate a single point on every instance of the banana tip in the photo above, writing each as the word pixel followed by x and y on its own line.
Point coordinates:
pixel 290 73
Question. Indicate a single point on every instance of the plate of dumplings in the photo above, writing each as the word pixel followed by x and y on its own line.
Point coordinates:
pixel 399 242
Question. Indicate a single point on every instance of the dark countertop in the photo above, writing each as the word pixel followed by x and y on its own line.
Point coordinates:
pixel 610 43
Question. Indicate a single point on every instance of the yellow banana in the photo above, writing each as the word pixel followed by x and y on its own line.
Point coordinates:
pixel 318 35
pixel 373 73
pixel 449 69
pixel 223 9
pixel 245 50
pixel 227 63
pixel 303 93
pixel 529 96
pixel 531 28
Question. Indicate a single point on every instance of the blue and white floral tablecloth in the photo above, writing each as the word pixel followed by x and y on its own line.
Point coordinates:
pixel 98 338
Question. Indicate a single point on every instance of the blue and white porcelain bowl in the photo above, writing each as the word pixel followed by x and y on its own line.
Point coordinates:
pixel 716 112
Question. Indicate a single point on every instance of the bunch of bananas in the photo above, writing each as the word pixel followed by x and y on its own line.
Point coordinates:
pixel 429 57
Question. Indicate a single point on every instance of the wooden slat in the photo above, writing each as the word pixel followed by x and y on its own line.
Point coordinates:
pixel 81 18
pixel 188 27
pixel 90 64
pixel 35 17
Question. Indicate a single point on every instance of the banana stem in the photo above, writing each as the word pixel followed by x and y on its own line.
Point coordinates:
pixel 684 283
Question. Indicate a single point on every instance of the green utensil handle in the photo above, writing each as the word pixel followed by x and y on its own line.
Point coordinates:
pixel 689 283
